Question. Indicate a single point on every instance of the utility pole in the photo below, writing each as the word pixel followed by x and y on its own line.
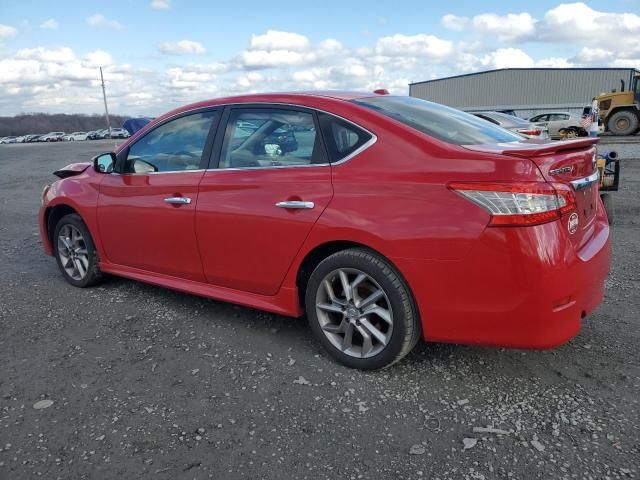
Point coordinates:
pixel 106 109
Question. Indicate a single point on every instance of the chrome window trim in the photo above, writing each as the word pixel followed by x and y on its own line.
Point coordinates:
pixel 362 148
pixel 159 173
pixel 274 167
pixel 359 150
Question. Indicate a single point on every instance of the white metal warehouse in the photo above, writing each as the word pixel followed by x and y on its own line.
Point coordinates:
pixel 525 90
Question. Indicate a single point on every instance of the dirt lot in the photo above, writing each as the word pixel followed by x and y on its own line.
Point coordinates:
pixel 149 383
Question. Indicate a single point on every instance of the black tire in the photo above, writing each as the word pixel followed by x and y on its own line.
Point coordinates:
pixel 609 206
pixel 93 274
pixel 406 329
pixel 623 122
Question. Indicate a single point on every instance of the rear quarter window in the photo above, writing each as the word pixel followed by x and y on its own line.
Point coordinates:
pixel 341 138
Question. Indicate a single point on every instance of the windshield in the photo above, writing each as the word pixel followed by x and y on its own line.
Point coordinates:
pixel 444 123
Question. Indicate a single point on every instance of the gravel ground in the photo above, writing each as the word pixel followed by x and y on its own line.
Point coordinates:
pixel 127 380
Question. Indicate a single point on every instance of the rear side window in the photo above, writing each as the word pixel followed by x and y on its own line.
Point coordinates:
pixel 437 121
pixel 342 138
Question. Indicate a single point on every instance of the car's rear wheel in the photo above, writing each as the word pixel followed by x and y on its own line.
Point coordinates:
pixel 75 252
pixel 361 310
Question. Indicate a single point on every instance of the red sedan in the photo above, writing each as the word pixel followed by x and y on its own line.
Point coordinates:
pixel 383 218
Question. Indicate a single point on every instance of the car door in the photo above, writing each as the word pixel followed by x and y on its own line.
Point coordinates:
pixel 269 182
pixel 146 211
pixel 555 124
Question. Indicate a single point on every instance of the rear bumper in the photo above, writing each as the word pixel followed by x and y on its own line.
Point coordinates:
pixel 519 287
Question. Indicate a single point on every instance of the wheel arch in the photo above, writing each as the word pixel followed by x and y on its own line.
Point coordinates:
pixel 54 214
pixel 323 250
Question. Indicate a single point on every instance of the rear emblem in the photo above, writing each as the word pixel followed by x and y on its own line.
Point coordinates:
pixel 572 224
pixel 558 171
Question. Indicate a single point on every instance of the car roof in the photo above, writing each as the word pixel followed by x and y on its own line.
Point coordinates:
pixel 275 97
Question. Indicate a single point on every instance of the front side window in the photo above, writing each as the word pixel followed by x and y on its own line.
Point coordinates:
pixel 172 147
pixel 270 137
pixel 438 121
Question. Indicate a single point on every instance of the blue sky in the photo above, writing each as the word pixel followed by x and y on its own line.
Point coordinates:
pixel 158 54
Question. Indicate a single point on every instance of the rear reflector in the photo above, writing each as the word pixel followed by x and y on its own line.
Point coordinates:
pixel 512 204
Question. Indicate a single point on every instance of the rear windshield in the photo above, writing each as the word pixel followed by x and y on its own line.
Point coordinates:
pixel 444 123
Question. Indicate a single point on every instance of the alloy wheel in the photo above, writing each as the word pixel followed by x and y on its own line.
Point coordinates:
pixel 354 312
pixel 73 253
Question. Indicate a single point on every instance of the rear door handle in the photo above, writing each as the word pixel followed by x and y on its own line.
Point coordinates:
pixel 178 200
pixel 295 204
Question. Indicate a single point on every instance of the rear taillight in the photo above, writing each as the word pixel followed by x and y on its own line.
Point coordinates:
pixel 533 132
pixel 512 204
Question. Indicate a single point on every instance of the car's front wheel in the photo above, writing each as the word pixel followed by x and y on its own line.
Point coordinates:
pixel 361 310
pixel 75 252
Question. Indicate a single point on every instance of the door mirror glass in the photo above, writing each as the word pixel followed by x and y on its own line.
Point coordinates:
pixel 104 163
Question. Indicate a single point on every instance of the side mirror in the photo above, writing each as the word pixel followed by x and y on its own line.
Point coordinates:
pixel 104 163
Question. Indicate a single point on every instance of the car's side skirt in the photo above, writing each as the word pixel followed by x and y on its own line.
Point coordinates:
pixel 285 302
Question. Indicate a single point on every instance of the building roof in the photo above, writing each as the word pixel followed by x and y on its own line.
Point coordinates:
pixel 517 69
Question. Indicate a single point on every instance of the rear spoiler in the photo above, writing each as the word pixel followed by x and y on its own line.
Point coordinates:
pixel 533 148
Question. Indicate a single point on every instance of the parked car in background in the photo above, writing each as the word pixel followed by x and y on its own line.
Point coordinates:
pixel 77 136
pixel 391 219
pixel 10 139
pixel 96 134
pixel 33 137
pixel 52 137
pixel 515 124
pixel 558 121
pixel 119 133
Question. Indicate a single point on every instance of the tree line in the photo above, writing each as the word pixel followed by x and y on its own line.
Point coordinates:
pixel 61 122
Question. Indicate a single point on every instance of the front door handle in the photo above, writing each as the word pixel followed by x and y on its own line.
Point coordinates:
pixel 295 204
pixel 178 200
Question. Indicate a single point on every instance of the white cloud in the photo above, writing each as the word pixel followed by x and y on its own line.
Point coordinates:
pixel 7 31
pixel 554 62
pixel 506 28
pixel 420 45
pixel 183 47
pixel 42 54
pixel 577 22
pixel 280 41
pixel 50 24
pixel 99 20
pixel 98 58
pixel 454 22
pixel 161 4
pixel 507 58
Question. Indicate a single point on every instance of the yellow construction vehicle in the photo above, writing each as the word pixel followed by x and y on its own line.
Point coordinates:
pixel 608 165
pixel 620 111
